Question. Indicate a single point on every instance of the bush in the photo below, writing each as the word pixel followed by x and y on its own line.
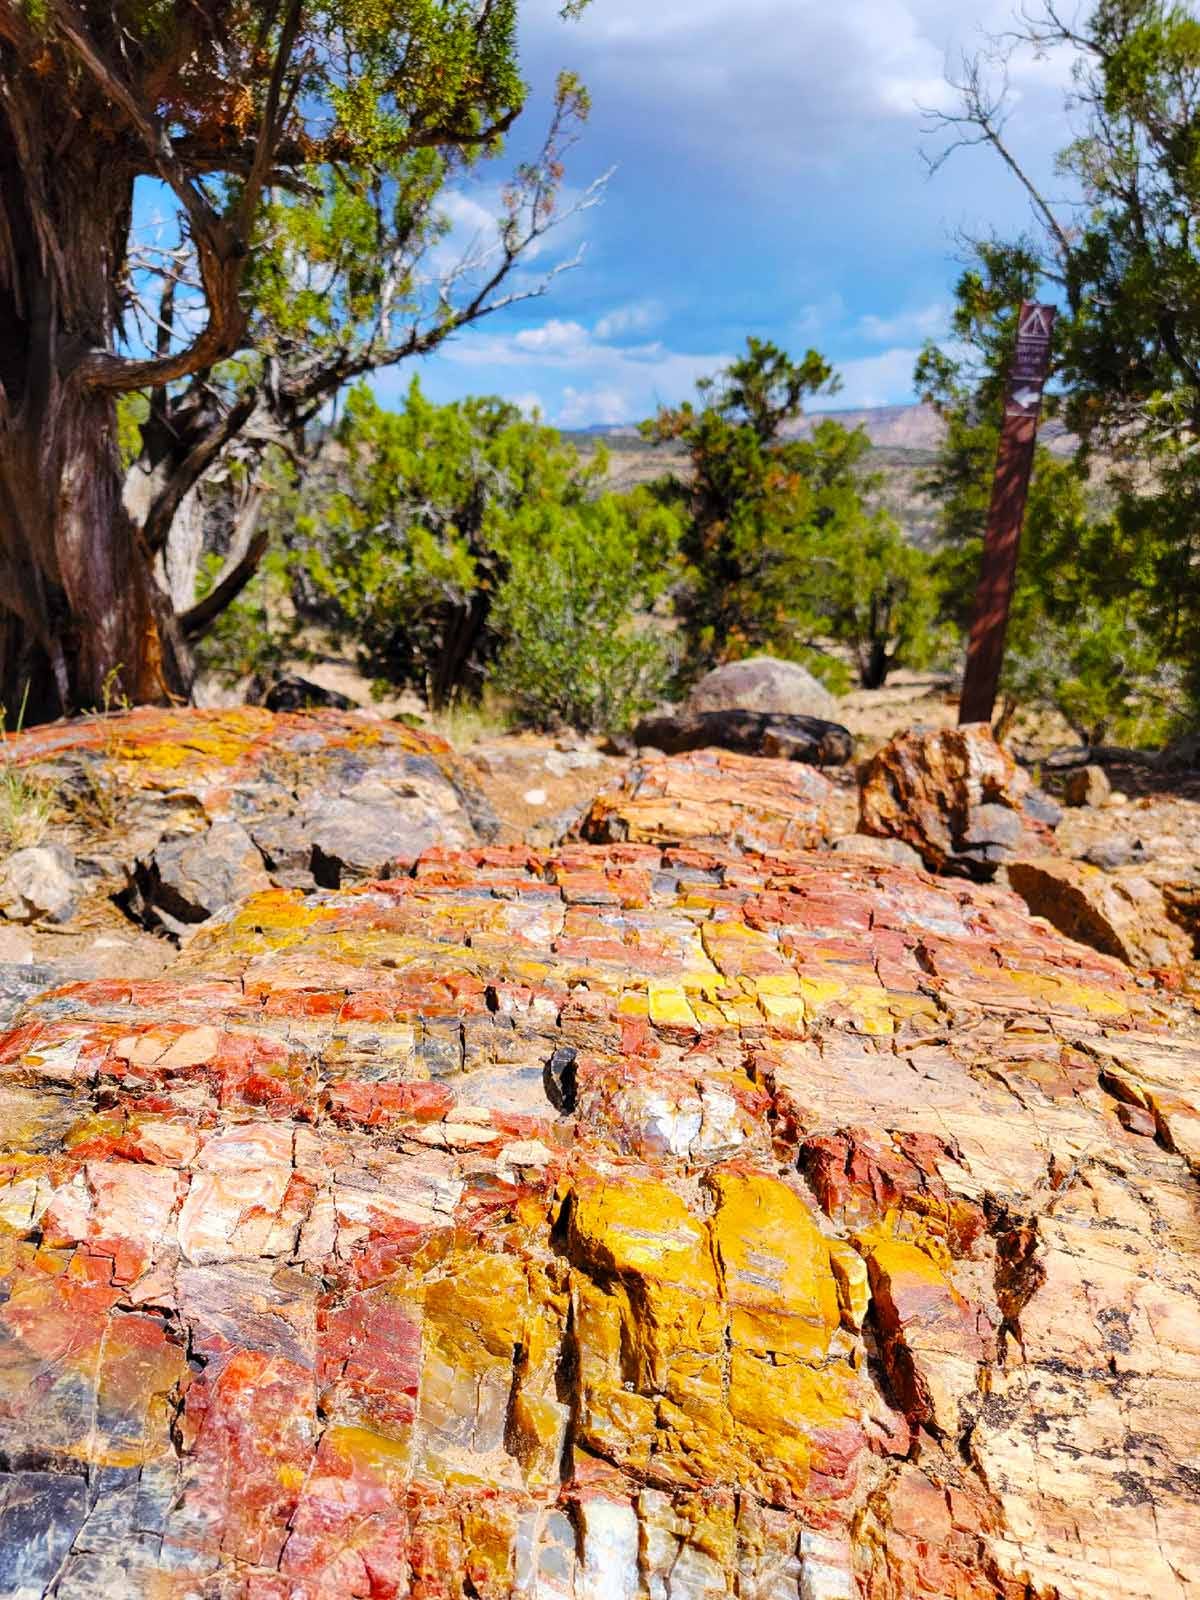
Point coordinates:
pixel 411 531
pixel 573 650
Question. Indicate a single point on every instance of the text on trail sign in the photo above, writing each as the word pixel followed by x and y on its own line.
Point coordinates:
pixel 1023 400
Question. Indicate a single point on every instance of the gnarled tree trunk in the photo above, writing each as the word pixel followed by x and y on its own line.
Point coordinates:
pixel 81 617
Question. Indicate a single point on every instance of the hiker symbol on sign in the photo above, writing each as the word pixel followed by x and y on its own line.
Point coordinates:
pixel 1035 324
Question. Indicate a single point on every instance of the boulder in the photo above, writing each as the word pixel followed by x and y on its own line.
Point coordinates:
pixel 1142 916
pixel 958 798
pixel 763 683
pixel 711 796
pixel 293 693
pixel 1089 786
pixel 626 1220
pixel 363 790
pixel 190 878
pixel 751 733
pixel 39 884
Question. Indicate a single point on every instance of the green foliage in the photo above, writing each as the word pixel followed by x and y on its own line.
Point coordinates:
pixel 1081 637
pixel 782 551
pixel 440 525
pixel 410 541
pixel 1107 618
pixel 255 635
pixel 132 411
pixel 879 595
pixel 27 802
pixel 573 651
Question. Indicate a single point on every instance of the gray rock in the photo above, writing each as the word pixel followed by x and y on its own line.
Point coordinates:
pixel 294 693
pixel 1111 854
pixel 19 982
pixel 287 849
pixel 382 818
pixel 992 826
pixel 1041 808
pixel 41 1514
pixel 355 838
pixel 559 762
pixel 1089 786
pixel 763 683
pixel 40 883
pixel 773 734
pixel 894 851
pixel 189 879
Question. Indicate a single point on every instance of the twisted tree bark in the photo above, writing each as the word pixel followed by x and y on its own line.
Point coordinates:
pixel 82 618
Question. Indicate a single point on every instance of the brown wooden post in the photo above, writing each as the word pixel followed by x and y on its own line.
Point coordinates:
pixel 1002 541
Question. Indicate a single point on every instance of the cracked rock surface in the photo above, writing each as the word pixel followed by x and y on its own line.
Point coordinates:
pixel 627 1222
pixel 192 806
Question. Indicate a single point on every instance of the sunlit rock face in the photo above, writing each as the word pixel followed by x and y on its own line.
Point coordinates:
pixel 713 797
pixel 627 1223
pixel 201 802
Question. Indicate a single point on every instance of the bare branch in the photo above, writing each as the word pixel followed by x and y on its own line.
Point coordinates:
pixel 192 468
pixel 983 110
pixel 200 619
pixel 219 242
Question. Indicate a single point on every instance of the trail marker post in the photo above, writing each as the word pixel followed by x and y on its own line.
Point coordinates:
pixel 1002 541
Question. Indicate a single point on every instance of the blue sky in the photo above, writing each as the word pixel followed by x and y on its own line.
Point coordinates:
pixel 768 180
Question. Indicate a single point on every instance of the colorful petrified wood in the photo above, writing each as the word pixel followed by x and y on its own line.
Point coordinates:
pixel 622 1222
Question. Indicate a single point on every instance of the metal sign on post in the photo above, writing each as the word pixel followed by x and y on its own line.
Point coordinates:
pixel 1014 464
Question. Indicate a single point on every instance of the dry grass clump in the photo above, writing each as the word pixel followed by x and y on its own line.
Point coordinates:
pixel 27 804
pixel 466 723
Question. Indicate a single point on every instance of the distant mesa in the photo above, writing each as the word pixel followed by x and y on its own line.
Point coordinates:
pixel 904 427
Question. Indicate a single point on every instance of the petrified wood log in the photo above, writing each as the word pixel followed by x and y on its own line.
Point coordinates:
pixel 958 798
pixel 624 1221
pixel 712 797
pixel 751 733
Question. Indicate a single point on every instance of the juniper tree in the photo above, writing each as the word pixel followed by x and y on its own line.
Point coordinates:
pixel 1115 246
pixel 297 149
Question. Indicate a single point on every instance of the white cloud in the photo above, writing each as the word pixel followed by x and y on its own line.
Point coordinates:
pixel 567 340
pixel 602 405
pixel 529 404
pixel 927 322
pixel 636 317
pixel 882 380
pixel 780 85
pixel 601 382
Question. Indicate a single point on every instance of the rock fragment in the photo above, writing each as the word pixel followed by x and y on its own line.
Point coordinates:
pixel 39 883
pixel 894 851
pixel 776 735
pixel 189 879
pixel 1088 786
pixel 1127 912
pixel 957 798
pixel 713 797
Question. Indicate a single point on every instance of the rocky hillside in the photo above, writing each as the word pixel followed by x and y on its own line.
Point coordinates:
pixel 713 1204
pixel 905 440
